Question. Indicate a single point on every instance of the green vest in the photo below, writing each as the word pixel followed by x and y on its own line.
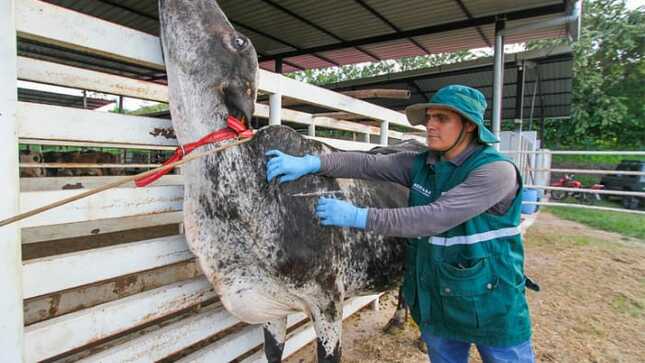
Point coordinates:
pixel 467 283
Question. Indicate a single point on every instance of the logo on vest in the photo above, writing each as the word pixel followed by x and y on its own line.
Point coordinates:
pixel 421 190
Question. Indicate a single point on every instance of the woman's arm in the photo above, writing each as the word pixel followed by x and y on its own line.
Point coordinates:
pixel 489 187
pixel 395 167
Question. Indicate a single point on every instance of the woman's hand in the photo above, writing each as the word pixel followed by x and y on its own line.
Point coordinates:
pixel 289 167
pixel 335 212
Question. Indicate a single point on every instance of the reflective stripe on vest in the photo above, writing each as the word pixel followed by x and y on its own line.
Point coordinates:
pixel 475 238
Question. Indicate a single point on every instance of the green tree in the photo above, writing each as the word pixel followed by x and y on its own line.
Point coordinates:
pixel 608 87
pixel 356 71
pixel 149 109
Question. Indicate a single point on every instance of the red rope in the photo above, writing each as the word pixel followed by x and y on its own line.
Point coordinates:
pixel 235 129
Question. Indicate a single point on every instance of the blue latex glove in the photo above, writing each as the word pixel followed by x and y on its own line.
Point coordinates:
pixel 290 167
pixel 334 212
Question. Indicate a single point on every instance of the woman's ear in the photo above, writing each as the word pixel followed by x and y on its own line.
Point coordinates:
pixel 470 127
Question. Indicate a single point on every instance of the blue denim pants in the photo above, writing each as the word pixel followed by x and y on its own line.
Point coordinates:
pixel 442 350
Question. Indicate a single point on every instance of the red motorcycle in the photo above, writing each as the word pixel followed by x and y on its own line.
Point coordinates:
pixel 569 181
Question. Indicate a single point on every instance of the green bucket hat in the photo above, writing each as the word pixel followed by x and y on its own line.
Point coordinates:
pixel 466 101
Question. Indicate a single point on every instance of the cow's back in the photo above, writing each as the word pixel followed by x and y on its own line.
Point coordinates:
pixel 284 231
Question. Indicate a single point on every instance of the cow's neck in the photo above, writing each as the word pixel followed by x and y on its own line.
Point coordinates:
pixel 197 108
pixel 198 174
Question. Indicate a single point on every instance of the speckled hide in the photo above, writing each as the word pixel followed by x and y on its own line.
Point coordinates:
pixel 266 252
pixel 263 249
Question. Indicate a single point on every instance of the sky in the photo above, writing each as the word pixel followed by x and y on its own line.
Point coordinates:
pixel 633 4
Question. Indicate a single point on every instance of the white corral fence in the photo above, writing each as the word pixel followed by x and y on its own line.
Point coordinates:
pixel 140 301
pixel 535 167
pixel 519 147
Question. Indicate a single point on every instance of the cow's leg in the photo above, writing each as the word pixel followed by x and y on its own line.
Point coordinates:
pixel 328 324
pixel 275 332
pixel 397 322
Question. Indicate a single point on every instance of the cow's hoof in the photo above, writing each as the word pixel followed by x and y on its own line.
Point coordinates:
pixel 421 344
pixel 394 327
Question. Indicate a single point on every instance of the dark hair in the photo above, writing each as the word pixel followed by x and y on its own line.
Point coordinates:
pixel 475 132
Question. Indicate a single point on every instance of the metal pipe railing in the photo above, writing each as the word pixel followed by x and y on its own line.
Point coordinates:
pixel 590 171
pixel 583 190
pixel 576 152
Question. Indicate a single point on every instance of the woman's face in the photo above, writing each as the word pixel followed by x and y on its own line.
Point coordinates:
pixel 443 127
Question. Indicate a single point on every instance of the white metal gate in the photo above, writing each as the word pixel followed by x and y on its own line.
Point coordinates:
pixel 146 297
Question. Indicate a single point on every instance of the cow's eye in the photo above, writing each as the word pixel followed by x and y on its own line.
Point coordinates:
pixel 239 42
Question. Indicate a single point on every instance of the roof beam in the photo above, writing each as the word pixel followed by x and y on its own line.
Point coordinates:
pixel 288 63
pixel 317 27
pixel 156 76
pixel 554 79
pixel 418 89
pixel 281 41
pixel 389 23
pixel 470 16
pixel 481 64
pixel 129 9
pixel 433 29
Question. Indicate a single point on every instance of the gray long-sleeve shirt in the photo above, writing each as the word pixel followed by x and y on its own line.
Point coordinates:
pixel 491 187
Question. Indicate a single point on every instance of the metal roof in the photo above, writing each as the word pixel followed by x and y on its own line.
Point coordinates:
pixel 307 34
pixel 552 66
pixel 59 99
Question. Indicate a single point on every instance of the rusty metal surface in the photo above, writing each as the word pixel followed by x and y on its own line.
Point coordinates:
pixel 60 303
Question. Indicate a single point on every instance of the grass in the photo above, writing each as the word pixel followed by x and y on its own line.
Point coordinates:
pixel 555 240
pixel 592 159
pixel 627 305
pixel 624 223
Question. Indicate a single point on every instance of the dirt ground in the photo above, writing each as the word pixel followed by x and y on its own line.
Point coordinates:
pixel 591 307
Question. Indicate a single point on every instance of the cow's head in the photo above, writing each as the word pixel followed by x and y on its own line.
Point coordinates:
pixel 211 67
pixel 31 157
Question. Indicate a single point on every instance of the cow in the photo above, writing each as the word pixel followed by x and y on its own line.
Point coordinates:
pixel 259 243
pixel 29 156
pixel 82 157
pixel 54 157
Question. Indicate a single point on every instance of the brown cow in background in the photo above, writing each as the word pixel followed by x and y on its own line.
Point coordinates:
pixel 29 156
pixel 82 157
pixel 71 157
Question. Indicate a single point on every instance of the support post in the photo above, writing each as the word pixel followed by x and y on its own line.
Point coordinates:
pixel 539 84
pixel 385 125
pixel 519 114
pixel 311 129
pixel 366 137
pixel 11 311
pixel 498 79
pixel 519 93
pixel 275 108
pixel 121 104
pixel 275 100
pixel 278 65
pixel 543 162
pixel 84 99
